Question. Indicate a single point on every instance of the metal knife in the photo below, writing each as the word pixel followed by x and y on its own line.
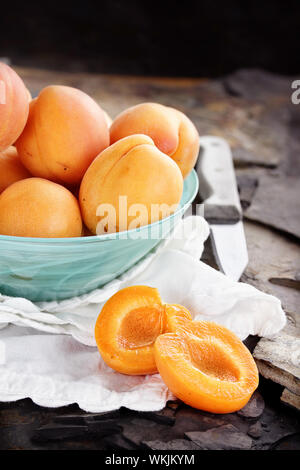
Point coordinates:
pixel 221 205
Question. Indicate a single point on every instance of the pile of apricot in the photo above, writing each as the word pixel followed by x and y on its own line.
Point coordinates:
pixel 61 157
pixel 202 363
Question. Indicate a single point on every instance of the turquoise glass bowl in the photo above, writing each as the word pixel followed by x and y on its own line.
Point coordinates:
pixel 44 269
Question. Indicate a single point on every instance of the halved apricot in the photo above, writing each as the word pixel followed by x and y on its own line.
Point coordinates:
pixel 127 328
pixel 206 366
pixel 128 325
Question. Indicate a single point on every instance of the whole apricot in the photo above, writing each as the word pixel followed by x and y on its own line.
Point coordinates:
pixel 35 207
pixel 172 131
pixel 133 178
pixel 14 106
pixel 65 131
pixel 11 168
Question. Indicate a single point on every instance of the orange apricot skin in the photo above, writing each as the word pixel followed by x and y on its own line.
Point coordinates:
pixel 132 167
pixel 11 168
pixel 29 96
pixel 108 119
pixel 199 390
pixel 124 360
pixel 65 131
pixel 35 207
pixel 14 106
pixel 172 131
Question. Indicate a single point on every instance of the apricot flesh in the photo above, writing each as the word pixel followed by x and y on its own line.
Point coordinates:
pixel 172 131
pixel 202 363
pixel 14 106
pixel 207 367
pixel 175 317
pixel 11 168
pixel 134 169
pixel 65 131
pixel 128 326
pixel 35 207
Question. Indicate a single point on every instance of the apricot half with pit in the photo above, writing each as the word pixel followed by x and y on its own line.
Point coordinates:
pixel 35 207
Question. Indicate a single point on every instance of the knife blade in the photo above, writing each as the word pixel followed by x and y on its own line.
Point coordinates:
pixel 222 208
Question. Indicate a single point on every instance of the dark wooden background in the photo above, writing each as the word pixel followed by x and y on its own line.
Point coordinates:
pixel 167 38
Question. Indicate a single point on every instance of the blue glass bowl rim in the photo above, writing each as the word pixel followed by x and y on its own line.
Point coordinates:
pixel 110 236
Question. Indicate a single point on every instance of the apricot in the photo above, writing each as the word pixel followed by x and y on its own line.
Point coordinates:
pixel 11 168
pixel 175 317
pixel 108 119
pixel 65 131
pixel 172 131
pixel 35 207
pixel 206 366
pixel 128 325
pixel 134 169
pixel 29 96
pixel 14 106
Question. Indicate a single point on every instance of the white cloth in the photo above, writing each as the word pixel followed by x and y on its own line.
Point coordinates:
pixel 64 368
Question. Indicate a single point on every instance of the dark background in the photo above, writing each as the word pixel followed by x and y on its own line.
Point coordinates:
pixel 184 38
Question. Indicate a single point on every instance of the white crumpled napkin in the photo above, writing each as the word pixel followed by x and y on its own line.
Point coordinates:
pixel 60 369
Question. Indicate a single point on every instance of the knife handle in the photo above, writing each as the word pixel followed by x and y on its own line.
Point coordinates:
pixel 217 183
